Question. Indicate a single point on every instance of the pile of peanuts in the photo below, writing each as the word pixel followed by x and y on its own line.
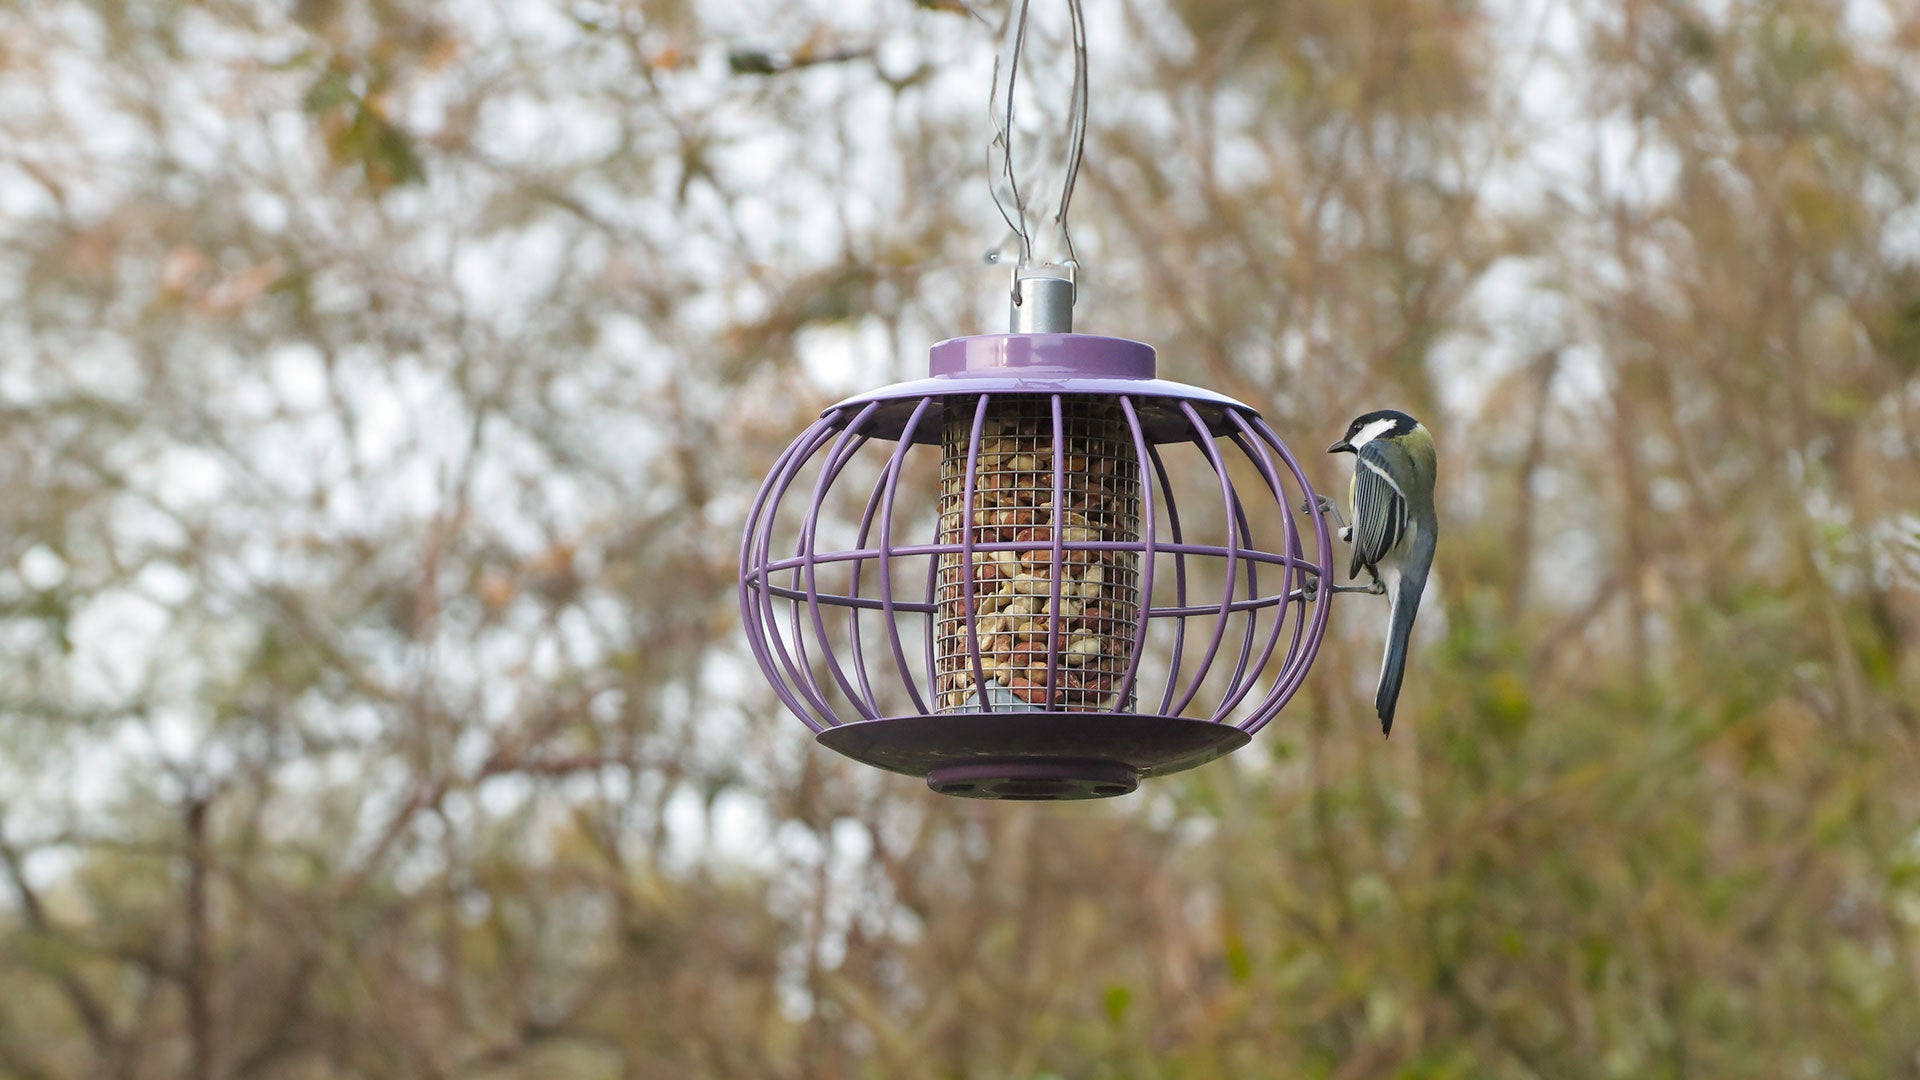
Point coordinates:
pixel 1015 510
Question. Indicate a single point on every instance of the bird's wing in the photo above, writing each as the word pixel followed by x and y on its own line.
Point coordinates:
pixel 1379 504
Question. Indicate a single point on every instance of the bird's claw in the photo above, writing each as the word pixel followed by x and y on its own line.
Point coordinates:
pixel 1311 590
pixel 1327 506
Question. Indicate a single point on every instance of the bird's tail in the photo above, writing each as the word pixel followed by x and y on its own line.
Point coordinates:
pixel 1393 665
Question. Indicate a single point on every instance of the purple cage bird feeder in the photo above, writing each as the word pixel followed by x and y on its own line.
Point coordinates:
pixel 995 578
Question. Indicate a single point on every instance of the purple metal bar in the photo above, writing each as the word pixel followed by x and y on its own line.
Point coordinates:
pixel 868 603
pixel 754 583
pixel 854 554
pixel 854 644
pixel 1302 661
pixel 844 448
pixel 816 436
pixel 1150 548
pixel 857 603
pixel 969 618
pixel 1054 615
pixel 931 624
pixel 882 491
pixel 796 668
pixel 1242 678
pixel 887 605
pixel 1205 441
pixel 1179 578
pixel 1294 565
pixel 1296 569
pixel 1264 462
pixel 1323 597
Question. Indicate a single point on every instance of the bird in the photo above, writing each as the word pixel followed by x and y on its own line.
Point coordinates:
pixel 1395 529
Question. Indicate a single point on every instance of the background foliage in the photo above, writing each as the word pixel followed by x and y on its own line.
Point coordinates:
pixel 382 385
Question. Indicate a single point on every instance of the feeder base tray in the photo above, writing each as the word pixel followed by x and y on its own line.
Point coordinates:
pixel 1034 780
pixel 1034 755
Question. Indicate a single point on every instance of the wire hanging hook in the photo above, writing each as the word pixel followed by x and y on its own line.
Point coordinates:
pixel 1003 181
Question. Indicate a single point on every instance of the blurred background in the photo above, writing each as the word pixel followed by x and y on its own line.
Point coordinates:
pixel 383 385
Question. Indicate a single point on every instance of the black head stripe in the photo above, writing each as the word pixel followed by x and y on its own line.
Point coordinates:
pixel 1402 423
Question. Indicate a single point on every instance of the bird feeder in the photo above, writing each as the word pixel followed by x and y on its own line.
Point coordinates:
pixel 994 635
pixel 1042 572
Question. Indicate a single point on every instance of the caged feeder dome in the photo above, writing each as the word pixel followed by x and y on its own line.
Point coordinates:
pixel 1040 573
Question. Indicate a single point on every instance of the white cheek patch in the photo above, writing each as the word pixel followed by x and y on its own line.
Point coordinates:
pixel 1371 432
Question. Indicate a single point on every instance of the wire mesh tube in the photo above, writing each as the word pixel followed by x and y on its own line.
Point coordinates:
pixel 1036 639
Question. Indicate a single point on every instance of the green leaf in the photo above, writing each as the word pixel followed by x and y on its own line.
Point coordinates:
pixel 331 91
pixel 1239 963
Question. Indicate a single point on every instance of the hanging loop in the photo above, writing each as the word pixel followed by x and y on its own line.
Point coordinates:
pixel 1003 180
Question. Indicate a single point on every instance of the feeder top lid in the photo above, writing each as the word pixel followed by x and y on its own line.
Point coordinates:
pixel 1042 356
pixel 1043 364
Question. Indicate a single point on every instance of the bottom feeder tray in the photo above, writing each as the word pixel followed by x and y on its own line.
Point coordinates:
pixel 1034 755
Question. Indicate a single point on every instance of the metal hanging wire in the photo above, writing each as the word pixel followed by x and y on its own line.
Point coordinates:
pixel 1003 179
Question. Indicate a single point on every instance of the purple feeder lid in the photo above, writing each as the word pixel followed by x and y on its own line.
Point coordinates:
pixel 1043 364
pixel 1039 356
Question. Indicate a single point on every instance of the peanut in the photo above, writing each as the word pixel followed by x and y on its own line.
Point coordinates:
pixel 1032 584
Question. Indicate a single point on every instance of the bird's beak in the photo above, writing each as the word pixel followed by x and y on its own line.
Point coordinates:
pixel 1342 445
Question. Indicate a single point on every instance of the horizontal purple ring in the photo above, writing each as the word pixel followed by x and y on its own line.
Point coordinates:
pixel 868 603
pixel 863 554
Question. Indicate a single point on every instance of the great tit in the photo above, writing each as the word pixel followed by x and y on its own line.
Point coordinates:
pixel 1394 528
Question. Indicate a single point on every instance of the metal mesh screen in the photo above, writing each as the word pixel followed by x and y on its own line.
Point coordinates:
pixel 1030 653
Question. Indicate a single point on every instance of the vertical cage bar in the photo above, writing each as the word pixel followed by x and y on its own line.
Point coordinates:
pixel 888 613
pixel 1299 658
pixel 793 666
pixel 1203 438
pixel 756 593
pixel 844 449
pixel 970 491
pixel 1056 556
pixel 1179 576
pixel 1257 453
pixel 1149 549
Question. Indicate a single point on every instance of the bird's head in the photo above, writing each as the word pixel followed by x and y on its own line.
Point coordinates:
pixel 1378 424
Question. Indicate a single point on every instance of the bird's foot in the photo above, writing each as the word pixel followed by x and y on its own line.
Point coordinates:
pixel 1327 506
pixel 1311 590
